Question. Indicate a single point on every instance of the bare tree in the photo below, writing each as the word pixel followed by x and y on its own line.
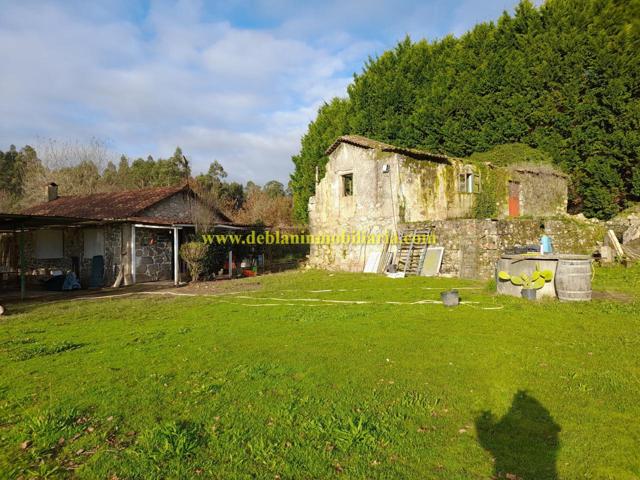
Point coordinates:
pixel 76 167
pixel 261 207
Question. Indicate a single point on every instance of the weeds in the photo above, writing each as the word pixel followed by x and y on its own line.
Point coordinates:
pixel 169 446
pixel 42 350
pixel 44 430
pixel 356 432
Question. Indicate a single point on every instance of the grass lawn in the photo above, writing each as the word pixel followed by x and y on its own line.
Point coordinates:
pixel 313 375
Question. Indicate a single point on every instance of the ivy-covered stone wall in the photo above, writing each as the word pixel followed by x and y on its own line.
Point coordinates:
pixel 389 189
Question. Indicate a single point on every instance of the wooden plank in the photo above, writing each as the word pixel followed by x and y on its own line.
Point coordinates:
pixel 615 243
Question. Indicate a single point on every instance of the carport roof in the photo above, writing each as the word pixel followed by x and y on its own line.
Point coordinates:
pixel 10 222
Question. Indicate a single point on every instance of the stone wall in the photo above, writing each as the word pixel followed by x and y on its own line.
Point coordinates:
pixel 472 247
pixel 390 189
pixel 154 254
pixel 176 207
pixel 113 249
pixel 543 191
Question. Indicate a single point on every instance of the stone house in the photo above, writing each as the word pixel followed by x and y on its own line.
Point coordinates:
pixel 373 187
pixel 136 233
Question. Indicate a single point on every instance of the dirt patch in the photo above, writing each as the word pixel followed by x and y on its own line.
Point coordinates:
pixel 221 286
pixel 612 296
pixel 217 287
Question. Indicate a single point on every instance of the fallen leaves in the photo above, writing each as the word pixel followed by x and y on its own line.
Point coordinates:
pixel 426 428
pixel 465 429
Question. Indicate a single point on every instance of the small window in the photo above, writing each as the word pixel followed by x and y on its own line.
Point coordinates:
pixel 347 185
pixel 48 244
pixel 93 242
pixel 469 183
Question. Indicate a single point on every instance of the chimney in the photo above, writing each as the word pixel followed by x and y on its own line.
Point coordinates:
pixel 52 191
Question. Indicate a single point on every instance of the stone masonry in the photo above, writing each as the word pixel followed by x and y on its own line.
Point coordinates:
pixel 375 188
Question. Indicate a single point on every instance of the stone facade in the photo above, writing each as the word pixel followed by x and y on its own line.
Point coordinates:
pixel 472 247
pixel 543 191
pixel 176 207
pixel 154 254
pixel 376 191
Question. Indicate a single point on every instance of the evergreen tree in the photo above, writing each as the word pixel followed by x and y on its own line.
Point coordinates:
pixel 331 122
pixel 563 78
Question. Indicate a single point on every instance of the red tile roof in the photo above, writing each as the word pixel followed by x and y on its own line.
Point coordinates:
pixel 129 204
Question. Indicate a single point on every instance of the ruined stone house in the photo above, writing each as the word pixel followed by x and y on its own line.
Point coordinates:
pixel 373 187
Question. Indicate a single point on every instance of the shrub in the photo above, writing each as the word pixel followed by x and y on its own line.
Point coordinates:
pixel 194 254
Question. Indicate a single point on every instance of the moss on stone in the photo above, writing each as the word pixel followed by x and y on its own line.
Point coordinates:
pixel 402 210
pixel 511 153
pixel 450 184
pixel 429 183
pixel 493 191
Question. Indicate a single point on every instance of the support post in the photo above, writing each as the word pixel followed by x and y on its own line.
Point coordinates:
pixel 125 254
pixel 230 264
pixel 133 254
pixel 23 267
pixel 176 258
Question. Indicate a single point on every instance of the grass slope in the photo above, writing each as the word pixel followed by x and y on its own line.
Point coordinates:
pixel 285 385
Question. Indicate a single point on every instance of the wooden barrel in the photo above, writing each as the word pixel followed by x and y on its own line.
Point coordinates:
pixel 573 279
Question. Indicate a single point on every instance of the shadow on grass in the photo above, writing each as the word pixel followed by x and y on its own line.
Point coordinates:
pixel 523 443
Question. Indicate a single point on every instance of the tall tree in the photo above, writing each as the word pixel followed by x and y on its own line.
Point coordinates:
pixel 564 78
pixel 331 122
pixel 274 189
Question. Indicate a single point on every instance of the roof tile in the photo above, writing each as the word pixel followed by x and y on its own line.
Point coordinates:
pixel 106 205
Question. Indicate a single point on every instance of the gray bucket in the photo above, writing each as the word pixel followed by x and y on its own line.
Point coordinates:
pixel 529 293
pixel 450 298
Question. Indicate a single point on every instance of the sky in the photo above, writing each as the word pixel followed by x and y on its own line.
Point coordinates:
pixel 233 81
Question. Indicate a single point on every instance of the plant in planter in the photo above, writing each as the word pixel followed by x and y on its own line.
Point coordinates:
pixel 194 253
pixel 530 284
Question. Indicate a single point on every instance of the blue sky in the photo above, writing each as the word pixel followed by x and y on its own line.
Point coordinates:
pixel 232 81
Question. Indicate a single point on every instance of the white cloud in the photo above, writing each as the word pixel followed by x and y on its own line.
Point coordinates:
pixel 184 74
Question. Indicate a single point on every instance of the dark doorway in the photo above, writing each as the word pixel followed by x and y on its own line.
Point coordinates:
pixel 524 442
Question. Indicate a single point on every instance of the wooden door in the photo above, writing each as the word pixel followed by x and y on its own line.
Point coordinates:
pixel 514 199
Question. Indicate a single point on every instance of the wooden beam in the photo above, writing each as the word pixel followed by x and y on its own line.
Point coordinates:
pixel 615 244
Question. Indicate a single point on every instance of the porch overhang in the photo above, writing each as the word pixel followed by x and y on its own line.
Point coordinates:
pixel 15 222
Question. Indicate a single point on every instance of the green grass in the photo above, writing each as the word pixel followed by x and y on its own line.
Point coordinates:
pixel 284 385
